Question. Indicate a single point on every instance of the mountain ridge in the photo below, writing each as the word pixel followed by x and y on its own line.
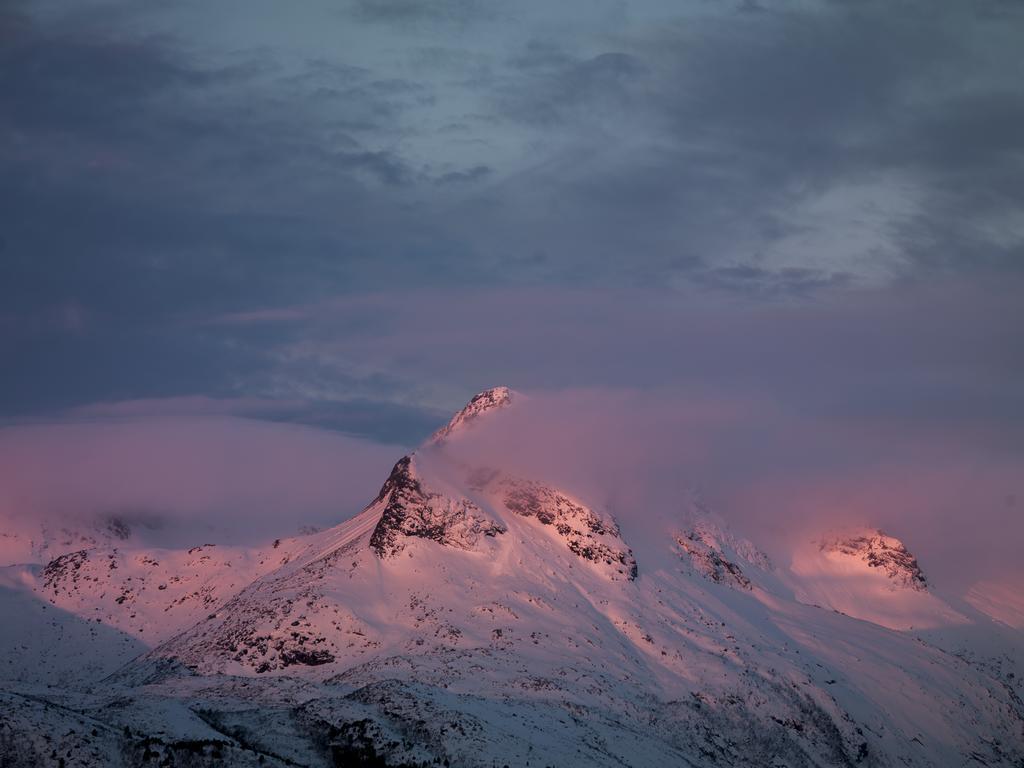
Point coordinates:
pixel 478 616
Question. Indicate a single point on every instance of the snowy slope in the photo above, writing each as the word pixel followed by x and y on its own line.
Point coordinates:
pixel 45 645
pixel 1001 601
pixel 489 400
pixel 153 594
pixel 870 575
pixel 873 576
pixel 479 617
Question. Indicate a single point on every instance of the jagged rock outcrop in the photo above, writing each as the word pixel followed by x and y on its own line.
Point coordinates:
pixel 410 510
pixel 586 534
pixel 489 400
pixel 710 562
pixel 881 551
pixel 707 545
pixel 64 572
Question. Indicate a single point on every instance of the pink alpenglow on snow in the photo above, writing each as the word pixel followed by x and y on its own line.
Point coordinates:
pixel 489 587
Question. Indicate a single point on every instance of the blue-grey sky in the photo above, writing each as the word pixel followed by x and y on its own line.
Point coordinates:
pixel 355 213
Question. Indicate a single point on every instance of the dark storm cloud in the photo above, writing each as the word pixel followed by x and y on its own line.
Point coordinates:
pixel 746 119
pixel 91 210
pixel 381 421
pixel 476 173
pixel 755 281
pixel 557 88
pixel 133 198
pixel 965 132
pixel 415 11
pixel 152 182
pixel 80 85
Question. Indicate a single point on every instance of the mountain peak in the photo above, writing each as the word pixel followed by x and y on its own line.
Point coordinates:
pixel 410 510
pixel 878 550
pixel 492 399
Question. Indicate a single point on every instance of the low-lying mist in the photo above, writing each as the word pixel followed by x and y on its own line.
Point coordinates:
pixel 776 477
pixel 216 479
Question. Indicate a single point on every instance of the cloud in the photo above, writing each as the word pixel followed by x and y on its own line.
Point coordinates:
pixel 476 173
pixel 380 421
pixel 895 407
pixel 593 181
pixel 94 86
pixel 211 478
pixel 934 350
pixel 197 405
pixel 555 87
pixel 791 281
pixel 411 11
pixel 779 477
pixel 681 142
pixel 807 215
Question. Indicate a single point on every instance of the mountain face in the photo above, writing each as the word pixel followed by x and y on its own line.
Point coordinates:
pixel 712 551
pixel 471 616
pixel 153 594
pixel 492 399
pixel 871 575
pixel 878 550
pixel 408 510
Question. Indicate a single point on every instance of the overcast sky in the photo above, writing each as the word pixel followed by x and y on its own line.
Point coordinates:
pixel 231 200
pixel 354 214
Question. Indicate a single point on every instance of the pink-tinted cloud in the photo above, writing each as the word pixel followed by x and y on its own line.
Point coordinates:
pixel 217 478
pixel 778 477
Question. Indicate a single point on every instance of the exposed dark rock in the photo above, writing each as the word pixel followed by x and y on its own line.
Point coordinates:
pixel 585 533
pixel 708 560
pixel 488 400
pixel 62 569
pixel 881 551
pixel 412 511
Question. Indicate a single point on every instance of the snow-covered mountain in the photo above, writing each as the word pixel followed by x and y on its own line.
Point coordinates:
pixel 471 616
pixel 870 575
pixel 488 401
pixel 24 539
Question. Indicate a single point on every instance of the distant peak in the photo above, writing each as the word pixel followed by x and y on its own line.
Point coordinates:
pixel 878 550
pixel 410 510
pixel 492 399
